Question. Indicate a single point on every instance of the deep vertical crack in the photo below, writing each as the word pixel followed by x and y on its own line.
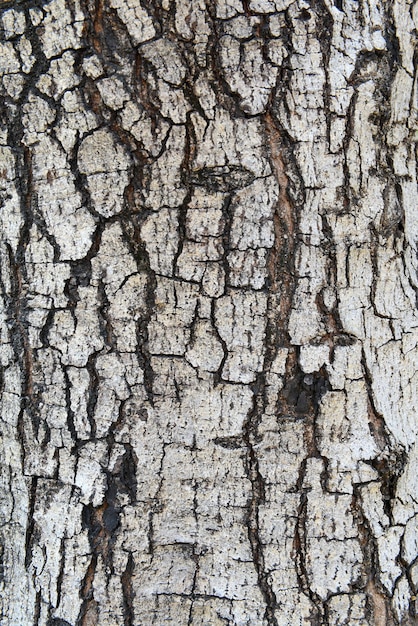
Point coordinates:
pixel 257 497
pixel 128 592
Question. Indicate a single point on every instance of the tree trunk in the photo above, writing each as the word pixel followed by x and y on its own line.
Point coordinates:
pixel 209 312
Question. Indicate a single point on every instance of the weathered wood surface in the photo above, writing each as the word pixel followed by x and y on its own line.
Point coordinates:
pixel 209 320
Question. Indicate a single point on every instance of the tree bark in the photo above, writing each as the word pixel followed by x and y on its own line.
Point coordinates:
pixel 209 312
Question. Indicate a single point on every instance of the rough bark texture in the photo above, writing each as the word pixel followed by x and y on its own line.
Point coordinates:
pixel 209 312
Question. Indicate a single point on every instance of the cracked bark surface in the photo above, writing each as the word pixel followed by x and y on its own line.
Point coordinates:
pixel 209 328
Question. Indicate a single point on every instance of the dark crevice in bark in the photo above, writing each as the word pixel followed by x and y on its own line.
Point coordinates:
pixel 391 461
pixel 2 564
pixel 93 388
pixel 105 33
pixel 30 524
pixel 406 572
pixel 80 182
pixel 228 216
pixel 349 200
pixel 144 355
pixel 97 23
pixel 123 478
pixel 324 25
pixel 128 592
pixel 132 234
pixel 390 469
pixel 331 316
pixel 217 377
pixel 301 393
pixel 392 41
pixel 155 505
pixel 181 231
pixel 88 610
pixel 81 272
pixel 376 420
pixel 102 523
pixel 300 551
pixel 257 498
pixel 281 263
pixel 70 413
pixel 37 609
pixel 412 617
pixel 225 96
pixel 290 398
pixel 17 311
pixel 195 557
pixel 188 90
pixel 41 63
pixel 146 95
pixel 60 576
pixel 378 604
pixel 48 324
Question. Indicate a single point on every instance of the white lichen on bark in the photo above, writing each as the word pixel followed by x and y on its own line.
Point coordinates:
pixel 209 327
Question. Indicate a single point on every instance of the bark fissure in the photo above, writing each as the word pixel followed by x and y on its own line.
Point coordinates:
pixel 257 497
